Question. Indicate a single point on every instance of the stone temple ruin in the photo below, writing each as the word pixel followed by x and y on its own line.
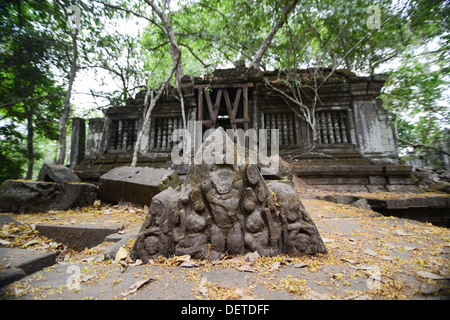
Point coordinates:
pixel 207 210
pixel 355 147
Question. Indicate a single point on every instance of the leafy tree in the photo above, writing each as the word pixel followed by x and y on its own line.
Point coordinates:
pixel 29 93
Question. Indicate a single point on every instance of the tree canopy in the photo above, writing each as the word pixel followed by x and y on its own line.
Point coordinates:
pixel 140 44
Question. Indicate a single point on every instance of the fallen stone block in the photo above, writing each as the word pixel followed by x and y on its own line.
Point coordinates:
pixel 10 275
pixel 135 184
pixel 77 238
pixel 51 172
pixel 20 196
pixel 404 188
pixel 5 219
pixel 441 186
pixel 22 262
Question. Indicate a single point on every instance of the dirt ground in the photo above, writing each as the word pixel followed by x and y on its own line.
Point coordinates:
pixel 369 257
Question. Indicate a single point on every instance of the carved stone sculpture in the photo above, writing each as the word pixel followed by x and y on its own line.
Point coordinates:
pixel 226 208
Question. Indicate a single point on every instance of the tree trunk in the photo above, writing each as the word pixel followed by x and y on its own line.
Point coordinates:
pixel 30 146
pixel 66 112
pixel 256 62
pixel 175 52
pixel 148 112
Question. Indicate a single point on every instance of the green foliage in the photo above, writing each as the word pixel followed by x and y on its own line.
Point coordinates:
pixel 412 45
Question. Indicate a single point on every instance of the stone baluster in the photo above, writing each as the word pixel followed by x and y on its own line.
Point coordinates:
pixel 158 133
pixel 285 131
pixel 330 128
pixel 337 133
pixel 279 126
pixel 119 135
pixel 267 119
pixel 124 140
pixel 113 135
pixel 342 121
pixel 131 131
pixel 169 132
pixel 164 134
pixel 291 119
pixel 318 128
pixel 323 119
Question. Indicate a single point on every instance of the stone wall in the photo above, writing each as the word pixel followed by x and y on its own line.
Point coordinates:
pixel 351 122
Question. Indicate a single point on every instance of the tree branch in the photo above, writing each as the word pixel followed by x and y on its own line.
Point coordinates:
pixel 256 62
pixel 421 145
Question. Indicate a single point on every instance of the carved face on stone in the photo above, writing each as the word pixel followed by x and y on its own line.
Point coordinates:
pixel 223 190
pixel 222 180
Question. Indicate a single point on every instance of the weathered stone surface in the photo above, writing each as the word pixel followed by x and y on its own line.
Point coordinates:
pixel 22 262
pixel 441 186
pixel 76 237
pixel 51 172
pixel 18 196
pixel 135 184
pixel 5 219
pixel 226 208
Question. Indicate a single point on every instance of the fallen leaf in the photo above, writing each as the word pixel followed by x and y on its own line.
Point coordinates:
pixel 245 268
pixel 348 260
pixel 275 267
pixel 189 264
pixel 138 262
pixel 359 267
pixel 135 287
pixel 203 290
pixel 236 260
pixel 123 265
pixel 30 243
pixel 401 232
pixel 370 252
pixel 184 258
pixel 313 295
pixel 299 265
pixel 429 275
pixel 251 256
pixel 122 254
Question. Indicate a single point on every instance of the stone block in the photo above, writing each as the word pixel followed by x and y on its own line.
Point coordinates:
pixel 376 188
pixel 51 172
pixel 19 196
pixel 441 186
pixel 397 204
pixel 401 180
pixel 404 188
pixel 22 262
pixel 77 238
pixel 438 202
pixel 344 199
pixel 377 180
pixel 135 184
pixel 5 219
